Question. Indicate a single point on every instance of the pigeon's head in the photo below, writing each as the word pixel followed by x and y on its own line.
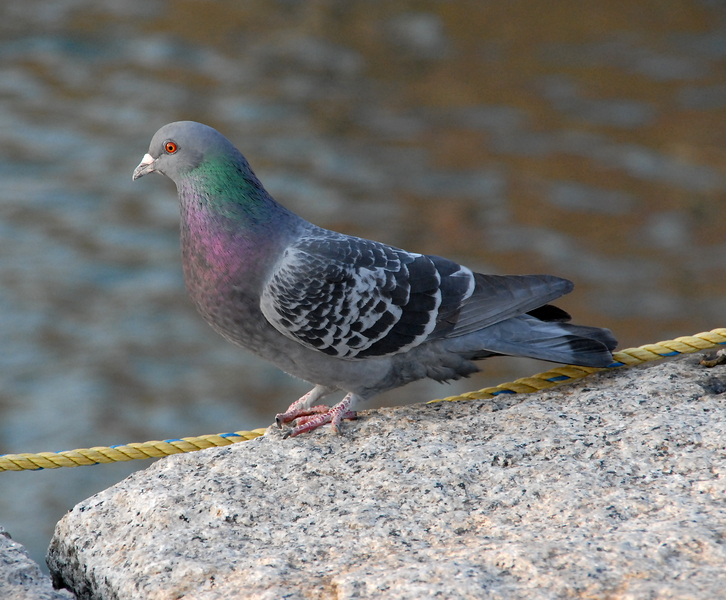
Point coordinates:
pixel 179 148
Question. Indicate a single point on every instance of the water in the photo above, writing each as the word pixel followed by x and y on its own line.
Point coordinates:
pixel 586 140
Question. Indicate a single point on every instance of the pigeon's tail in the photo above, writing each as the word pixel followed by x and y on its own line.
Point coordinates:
pixel 528 336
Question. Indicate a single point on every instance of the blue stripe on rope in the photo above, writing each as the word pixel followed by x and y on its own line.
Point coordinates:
pixel 559 378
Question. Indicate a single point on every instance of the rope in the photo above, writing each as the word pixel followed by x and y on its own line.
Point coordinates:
pixel 133 451
pixel 525 385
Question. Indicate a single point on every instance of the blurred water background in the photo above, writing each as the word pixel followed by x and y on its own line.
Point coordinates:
pixel 581 138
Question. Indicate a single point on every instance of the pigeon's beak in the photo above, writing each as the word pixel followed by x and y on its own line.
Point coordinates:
pixel 146 165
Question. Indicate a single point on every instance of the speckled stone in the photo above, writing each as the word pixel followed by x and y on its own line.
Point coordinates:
pixel 21 577
pixel 611 487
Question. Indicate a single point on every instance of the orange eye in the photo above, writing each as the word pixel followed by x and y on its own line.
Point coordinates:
pixel 170 147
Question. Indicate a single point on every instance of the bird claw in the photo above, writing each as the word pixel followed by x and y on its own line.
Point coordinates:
pixel 312 422
pixel 308 419
pixel 296 413
pixel 351 414
pixel 302 406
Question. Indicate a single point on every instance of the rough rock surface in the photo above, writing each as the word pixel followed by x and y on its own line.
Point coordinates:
pixel 21 577
pixel 613 487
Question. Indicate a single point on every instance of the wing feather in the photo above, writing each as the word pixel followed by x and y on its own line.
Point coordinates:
pixel 356 298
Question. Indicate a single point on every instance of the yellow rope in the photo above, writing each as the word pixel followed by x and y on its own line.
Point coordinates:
pixel 133 451
pixel 541 381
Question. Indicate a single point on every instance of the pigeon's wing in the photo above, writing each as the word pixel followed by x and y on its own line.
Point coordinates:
pixel 500 297
pixel 355 298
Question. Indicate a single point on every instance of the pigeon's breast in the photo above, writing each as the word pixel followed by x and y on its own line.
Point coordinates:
pixel 224 270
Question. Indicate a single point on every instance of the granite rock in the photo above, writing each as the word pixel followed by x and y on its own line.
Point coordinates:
pixel 21 577
pixel 611 487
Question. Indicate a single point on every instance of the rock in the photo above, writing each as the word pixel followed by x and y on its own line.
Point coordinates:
pixel 21 577
pixel 612 487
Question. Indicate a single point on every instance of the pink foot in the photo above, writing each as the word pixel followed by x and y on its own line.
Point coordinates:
pixel 333 416
pixel 302 406
pixel 293 413
pixel 351 414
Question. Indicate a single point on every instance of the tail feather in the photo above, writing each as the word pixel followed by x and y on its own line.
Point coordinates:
pixel 600 334
pixel 550 313
pixel 527 336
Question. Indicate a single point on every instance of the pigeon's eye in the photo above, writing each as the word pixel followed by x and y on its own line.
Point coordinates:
pixel 170 147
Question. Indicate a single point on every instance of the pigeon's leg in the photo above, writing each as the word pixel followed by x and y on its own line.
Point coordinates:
pixel 334 416
pixel 304 406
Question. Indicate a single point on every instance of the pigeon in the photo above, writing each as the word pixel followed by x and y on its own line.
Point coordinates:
pixel 340 312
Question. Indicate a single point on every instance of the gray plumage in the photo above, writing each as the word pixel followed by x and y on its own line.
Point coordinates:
pixel 342 312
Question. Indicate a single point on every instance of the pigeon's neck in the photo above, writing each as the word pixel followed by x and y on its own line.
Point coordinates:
pixel 231 229
pixel 228 188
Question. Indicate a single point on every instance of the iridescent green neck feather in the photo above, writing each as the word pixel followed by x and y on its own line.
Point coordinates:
pixel 225 186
